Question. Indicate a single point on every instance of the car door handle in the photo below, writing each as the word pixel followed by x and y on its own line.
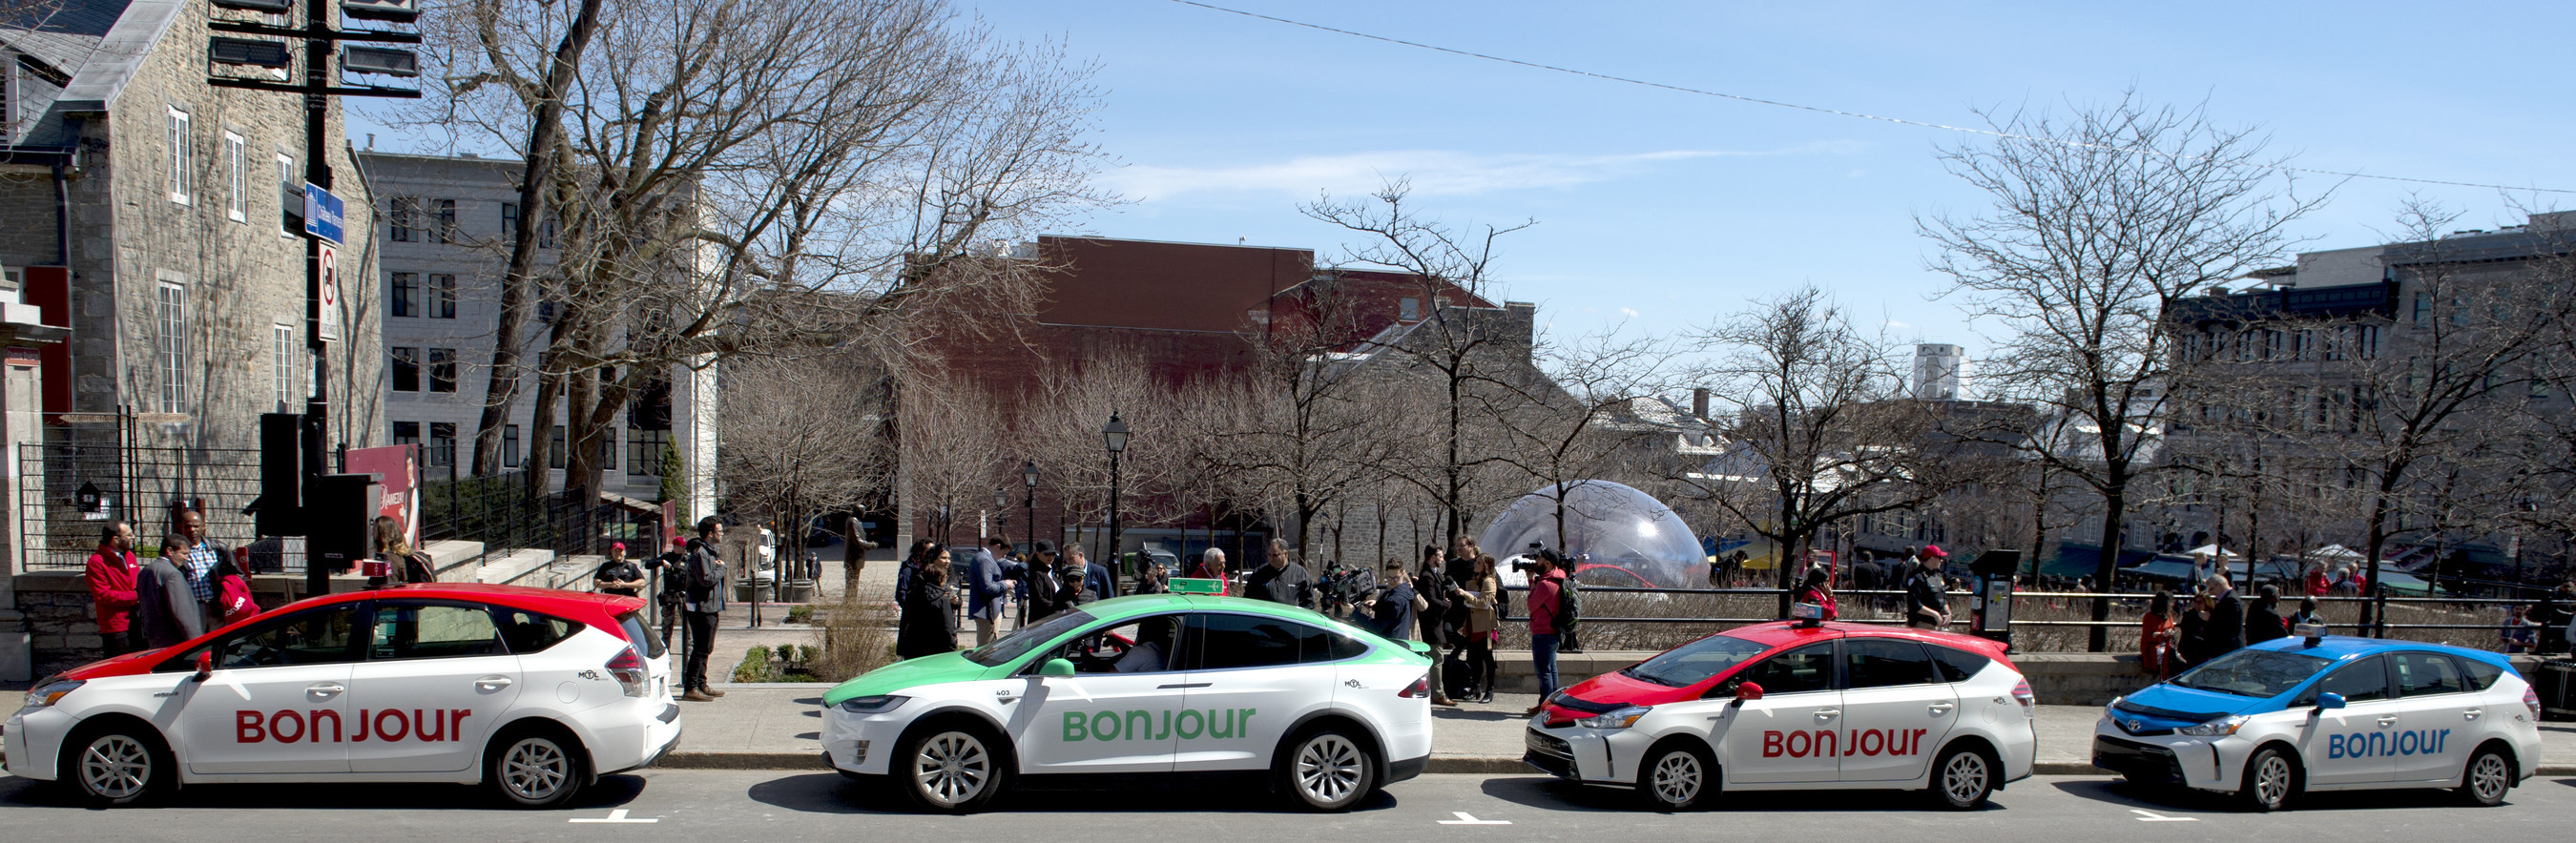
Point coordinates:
pixel 326 690
pixel 1943 708
pixel 1186 685
pixel 1829 713
pixel 2387 720
pixel 2474 713
pixel 491 683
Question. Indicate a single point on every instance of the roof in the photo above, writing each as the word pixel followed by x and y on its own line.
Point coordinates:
pixel 547 600
pixel 1144 604
pixel 101 44
pixel 1779 633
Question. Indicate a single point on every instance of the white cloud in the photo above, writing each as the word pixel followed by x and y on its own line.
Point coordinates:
pixel 1896 324
pixel 1432 172
pixel 1629 312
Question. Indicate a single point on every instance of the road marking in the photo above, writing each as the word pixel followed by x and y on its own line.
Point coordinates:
pixel 1465 819
pixel 617 815
pixel 2146 816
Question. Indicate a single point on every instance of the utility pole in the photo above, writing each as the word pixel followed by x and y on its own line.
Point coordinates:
pixel 322 214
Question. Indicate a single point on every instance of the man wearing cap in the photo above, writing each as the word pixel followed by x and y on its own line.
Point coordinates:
pixel 618 575
pixel 1927 591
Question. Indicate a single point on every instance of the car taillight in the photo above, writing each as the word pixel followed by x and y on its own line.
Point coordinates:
pixel 2531 700
pixel 2029 702
pixel 1422 688
pixel 629 669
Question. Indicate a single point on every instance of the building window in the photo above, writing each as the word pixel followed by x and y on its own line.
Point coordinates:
pixel 2366 342
pixel 644 451
pixel 442 443
pixel 555 448
pixel 442 297
pixel 442 370
pixel 172 349
pixel 509 446
pixel 235 203
pixel 290 198
pixel 406 368
pixel 2423 306
pixel 398 218
pixel 179 163
pixel 446 230
pixel 285 355
pixel 546 235
pixel 1408 309
pixel 509 220
pixel 406 294
pixel 406 433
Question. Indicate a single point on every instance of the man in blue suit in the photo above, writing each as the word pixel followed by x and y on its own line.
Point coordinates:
pixel 985 588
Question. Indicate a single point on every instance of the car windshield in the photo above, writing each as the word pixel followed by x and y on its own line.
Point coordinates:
pixel 1019 643
pixel 2253 673
pixel 1690 663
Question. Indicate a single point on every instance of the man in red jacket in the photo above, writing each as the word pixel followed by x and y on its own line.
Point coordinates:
pixel 1546 583
pixel 111 588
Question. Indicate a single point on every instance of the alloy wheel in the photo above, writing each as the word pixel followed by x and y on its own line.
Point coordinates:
pixel 1677 778
pixel 2489 778
pixel 1964 778
pixel 535 769
pixel 951 768
pixel 116 767
pixel 2272 780
pixel 1328 769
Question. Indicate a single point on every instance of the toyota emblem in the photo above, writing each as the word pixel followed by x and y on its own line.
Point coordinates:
pixel 2134 725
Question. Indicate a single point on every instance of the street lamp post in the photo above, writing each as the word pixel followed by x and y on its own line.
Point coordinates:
pixel 1116 434
pixel 1029 474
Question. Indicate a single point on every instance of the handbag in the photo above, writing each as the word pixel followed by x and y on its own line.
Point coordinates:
pixel 233 599
pixel 1420 605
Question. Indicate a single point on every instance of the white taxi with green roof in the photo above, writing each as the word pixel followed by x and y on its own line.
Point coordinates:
pixel 1175 685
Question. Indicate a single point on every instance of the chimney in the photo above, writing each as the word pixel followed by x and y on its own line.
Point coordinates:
pixel 1699 403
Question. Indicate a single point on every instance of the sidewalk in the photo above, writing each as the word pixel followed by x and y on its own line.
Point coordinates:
pixel 778 726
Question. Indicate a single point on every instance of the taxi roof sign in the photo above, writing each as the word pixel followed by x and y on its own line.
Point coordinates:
pixel 1197 585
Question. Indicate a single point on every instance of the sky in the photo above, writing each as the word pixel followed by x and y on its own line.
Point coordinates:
pixel 1658 211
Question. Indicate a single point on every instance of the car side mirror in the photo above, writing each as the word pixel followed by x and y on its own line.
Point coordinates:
pixel 1056 667
pixel 2329 701
pixel 205 666
pixel 1748 692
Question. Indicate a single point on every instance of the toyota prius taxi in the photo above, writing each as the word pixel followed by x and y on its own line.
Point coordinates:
pixel 1797 705
pixel 533 692
pixel 2315 712
pixel 1197 686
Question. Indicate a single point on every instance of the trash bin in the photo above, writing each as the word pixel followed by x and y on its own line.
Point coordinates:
pixel 2554 683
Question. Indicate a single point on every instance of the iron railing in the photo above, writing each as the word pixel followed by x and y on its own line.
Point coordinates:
pixel 68 491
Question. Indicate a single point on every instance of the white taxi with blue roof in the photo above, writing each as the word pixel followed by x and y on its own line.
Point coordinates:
pixel 2316 713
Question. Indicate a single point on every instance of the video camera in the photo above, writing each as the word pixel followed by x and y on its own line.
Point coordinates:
pixel 1529 557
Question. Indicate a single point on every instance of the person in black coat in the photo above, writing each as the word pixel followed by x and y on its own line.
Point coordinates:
pixel 1281 581
pixel 1391 614
pixel 1440 593
pixel 2225 632
pixel 929 624
pixel 2263 619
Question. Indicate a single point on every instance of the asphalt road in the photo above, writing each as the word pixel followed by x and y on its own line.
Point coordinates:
pixel 715 805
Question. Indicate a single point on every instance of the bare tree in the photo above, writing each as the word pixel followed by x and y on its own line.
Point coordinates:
pixel 1821 433
pixel 1060 428
pixel 809 445
pixel 2100 222
pixel 1577 425
pixel 952 453
pixel 1467 353
pixel 734 178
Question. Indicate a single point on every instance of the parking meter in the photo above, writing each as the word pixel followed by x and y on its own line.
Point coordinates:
pixel 1990 594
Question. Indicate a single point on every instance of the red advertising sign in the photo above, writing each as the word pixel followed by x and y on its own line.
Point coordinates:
pixel 397 469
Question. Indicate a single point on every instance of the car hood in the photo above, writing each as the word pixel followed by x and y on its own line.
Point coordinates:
pixel 909 673
pixel 1607 692
pixel 2168 706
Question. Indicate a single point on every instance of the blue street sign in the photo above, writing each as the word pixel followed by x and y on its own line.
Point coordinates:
pixel 321 213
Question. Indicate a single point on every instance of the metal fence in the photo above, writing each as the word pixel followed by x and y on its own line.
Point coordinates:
pixel 499 511
pixel 2129 603
pixel 67 492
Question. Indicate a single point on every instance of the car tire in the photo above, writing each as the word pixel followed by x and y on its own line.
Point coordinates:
pixel 117 764
pixel 1963 776
pixel 536 768
pixel 1326 770
pixel 1677 776
pixel 2271 781
pixel 950 768
pixel 2487 778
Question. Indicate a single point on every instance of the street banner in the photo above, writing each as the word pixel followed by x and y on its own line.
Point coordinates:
pixel 397 469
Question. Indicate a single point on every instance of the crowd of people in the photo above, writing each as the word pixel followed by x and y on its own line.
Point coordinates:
pixel 192 585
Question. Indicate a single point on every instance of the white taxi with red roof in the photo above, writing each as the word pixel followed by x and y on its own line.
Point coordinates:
pixel 1797 705
pixel 532 691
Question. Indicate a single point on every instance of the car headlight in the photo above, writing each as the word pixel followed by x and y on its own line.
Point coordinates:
pixel 2214 728
pixel 1618 718
pixel 2112 711
pixel 878 704
pixel 49 692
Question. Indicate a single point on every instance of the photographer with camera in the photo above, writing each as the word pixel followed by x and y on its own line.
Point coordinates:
pixel 1546 587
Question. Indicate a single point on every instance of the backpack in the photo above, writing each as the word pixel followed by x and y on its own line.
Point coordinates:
pixel 1569 603
pixel 418 567
pixel 1458 678
pixel 232 599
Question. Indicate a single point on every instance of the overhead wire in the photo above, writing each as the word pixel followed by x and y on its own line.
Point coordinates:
pixel 1901 121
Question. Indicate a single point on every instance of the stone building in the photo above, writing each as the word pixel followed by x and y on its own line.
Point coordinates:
pixel 157 220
